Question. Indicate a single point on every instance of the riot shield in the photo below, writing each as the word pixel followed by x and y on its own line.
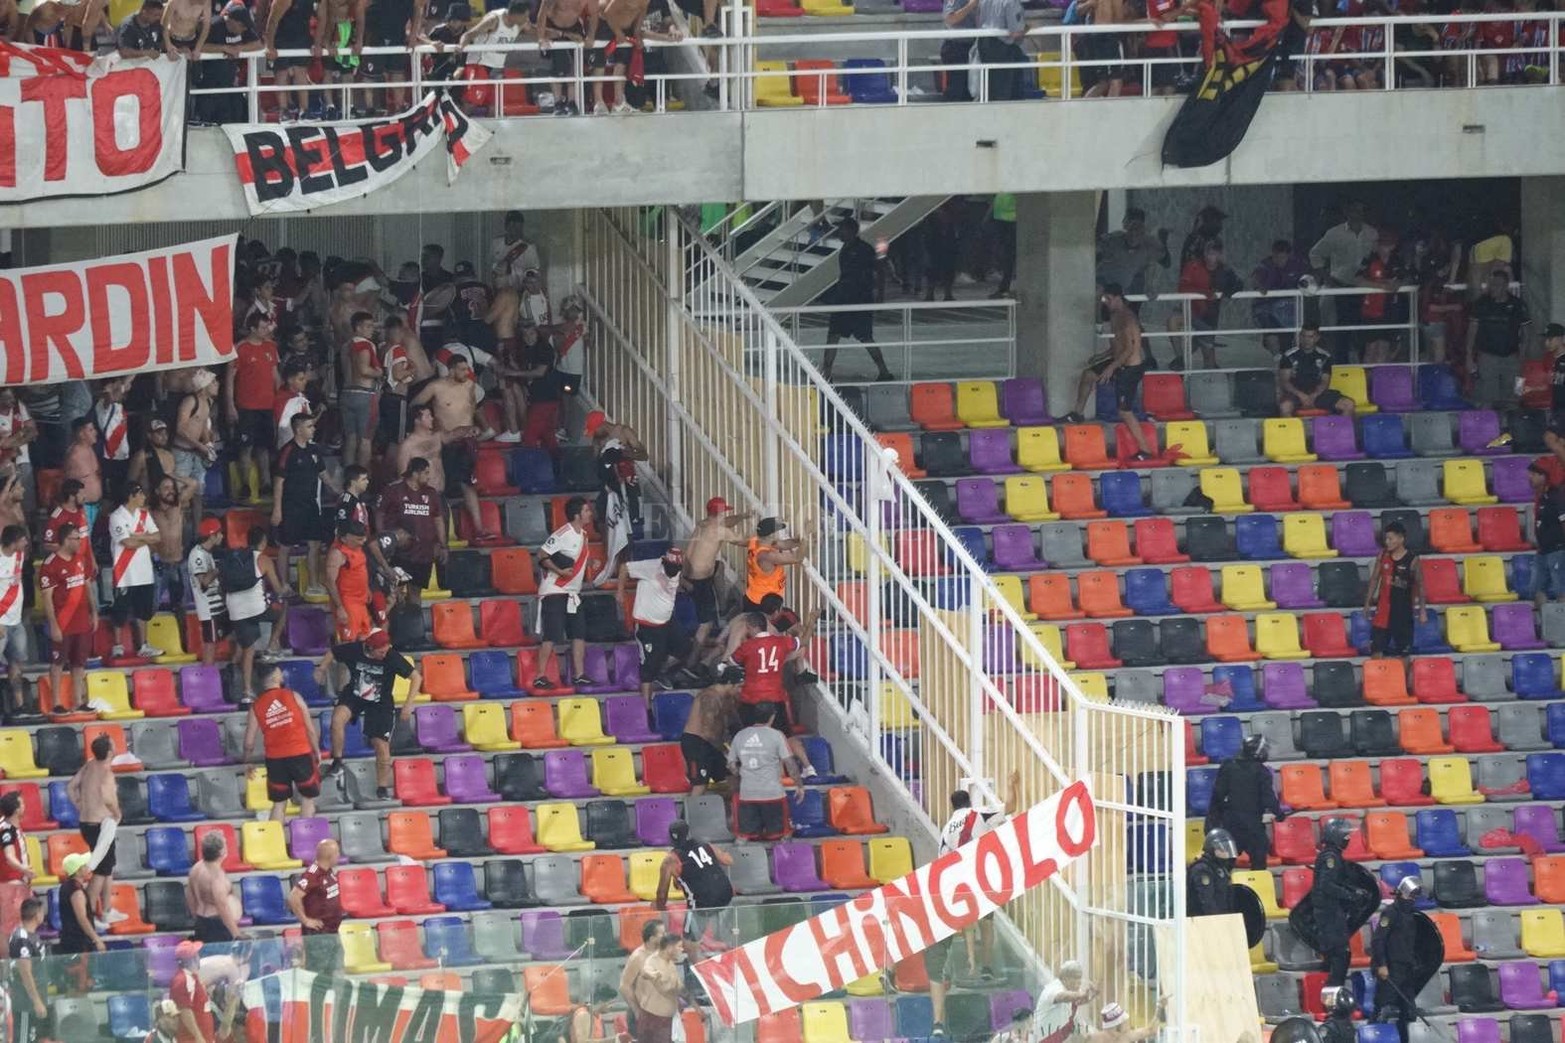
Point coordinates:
pixel 1302 917
pixel 1248 905
pixel 1296 1030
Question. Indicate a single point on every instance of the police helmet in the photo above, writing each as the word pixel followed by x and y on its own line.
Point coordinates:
pixel 1220 844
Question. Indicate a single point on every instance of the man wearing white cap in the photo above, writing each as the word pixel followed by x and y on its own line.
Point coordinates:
pixel 1116 1026
pixel 165 1028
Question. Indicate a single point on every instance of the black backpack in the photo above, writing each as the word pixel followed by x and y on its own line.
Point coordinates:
pixel 236 570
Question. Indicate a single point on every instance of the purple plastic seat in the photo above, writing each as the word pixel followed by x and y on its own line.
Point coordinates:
pixel 978 502
pixel 1508 479
pixel 625 718
pixel 1478 1030
pixel 309 631
pixel 161 964
pixel 1023 400
pixel 565 774
pixel 627 667
pixel 793 867
pixel 1392 389
pixel 1283 687
pixel 543 935
pixel 1334 438
pixel 304 834
pixel 1513 627
pixel 869 1021
pixel 1000 651
pixel 1013 549
pixel 653 817
pixel 595 664
pixel 989 451
pixel 1537 821
pixel 1521 986
pixel 918 7
pixel 1505 882
pixel 437 730
pixel 1353 534
pixel 1475 429
pixel 201 689
pixel 1184 690
pixel 201 742
pixel 1293 586
pixel 1004 1005
pixel 466 782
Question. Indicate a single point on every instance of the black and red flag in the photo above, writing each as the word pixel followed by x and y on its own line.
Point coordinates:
pixel 1238 73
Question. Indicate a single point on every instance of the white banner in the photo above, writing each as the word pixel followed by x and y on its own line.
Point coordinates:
pixel 73 129
pixel 303 1007
pixel 309 165
pixel 159 309
pixel 887 925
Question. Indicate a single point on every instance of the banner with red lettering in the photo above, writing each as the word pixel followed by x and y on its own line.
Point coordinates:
pixel 309 165
pixel 299 1006
pixel 69 127
pixel 887 925
pixel 160 309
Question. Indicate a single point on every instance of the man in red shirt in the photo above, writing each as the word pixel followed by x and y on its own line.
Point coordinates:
pixel 68 510
pixel 1382 271
pixel 291 742
pixel 1210 277
pixel 196 1024
pixel 417 508
pixel 251 383
pixel 70 606
pixel 317 902
pixel 762 653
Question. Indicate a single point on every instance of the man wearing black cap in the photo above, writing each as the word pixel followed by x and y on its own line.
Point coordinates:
pixel 855 285
pixel 141 35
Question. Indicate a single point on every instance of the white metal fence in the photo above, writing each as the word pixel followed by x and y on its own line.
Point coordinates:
pixel 952 340
pixel 938 670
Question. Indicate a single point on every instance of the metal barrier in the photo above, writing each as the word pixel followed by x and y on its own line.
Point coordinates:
pixel 934 667
pixel 967 340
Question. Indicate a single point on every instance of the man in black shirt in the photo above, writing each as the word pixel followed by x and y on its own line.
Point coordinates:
pixel 297 512
pixel 1396 590
pixel 1548 529
pixel 855 285
pixel 392 23
pixel 233 34
pixel 1394 956
pixel 372 668
pixel 29 1013
pixel 1554 344
pixel 1304 377
pixel 1242 795
pixel 448 56
pixel 141 35
pixel 1496 329
pixel 700 871
pixel 288 29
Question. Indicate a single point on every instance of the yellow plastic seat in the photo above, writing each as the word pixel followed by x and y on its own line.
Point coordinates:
pixel 1027 499
pixel 16 756
pixel 1467 629
pixel 1094 684
pixel 581 724
pixel 978 401
pixel 1265 887
pixel 484 728
pixel 1543 932
pixel 869 985
pixel 614 772
pixel 1195 838
pixel 1244 589
pixel 1194 446
pixel 163 633
pixel 256 797
pixel 1053 642
pixel 1050 80
pixel 895 710
pixel 827 8
pixel 1226 491
pixel 1451 781
pixel 774 87
pixel 1011 589
pixel 1304 536
pixel 889 858
pixel 358 949
pixel 559 828
pixel 825 1023
pixel 1483 579
pixel 1352 382
pixel 265 847
pixel 1038 450
pixel 1282 440
pixel 109 694
pixel 1464 483
pixel 1277 636
pixel 858 552
pixel 643 872
pixel 42 876
pixel 401 692
pixel 1260 963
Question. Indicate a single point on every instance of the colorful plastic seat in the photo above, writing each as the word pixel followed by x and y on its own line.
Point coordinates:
pixel 1186 443
pixel 1156 543
pixel 1483 579
pixel 1467 629
pixel 1282 440
pixel 1228 639
pixel 1271 489
pixel 1277 636
pixel 1244 589
pixel 932 405
pixel 1320 489
pixel 1464 482
pixel 1086 448
pixel 1451 781
pixel 1304 536
pixel 1027 500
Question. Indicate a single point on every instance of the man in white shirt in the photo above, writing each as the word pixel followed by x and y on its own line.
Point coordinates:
pixel 511 254
pixel 1061 1014
pixel 206 589
pixel 1337 258
pixel 113 432
pixel 293 400
pixel 132 535
pixel 13 632
pixel 563 560
pixel 653 612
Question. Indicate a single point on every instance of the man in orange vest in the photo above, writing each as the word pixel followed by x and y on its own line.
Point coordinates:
pixel 766 555
pixel 348 582
pixel 291 742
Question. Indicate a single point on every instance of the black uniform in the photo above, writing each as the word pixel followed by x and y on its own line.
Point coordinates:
pixel 1209 887
pixel 1333 896
pixel 26 1025
pixel 1241 794
pixel 705 883
pixel 1338 1028
pixel 1393 946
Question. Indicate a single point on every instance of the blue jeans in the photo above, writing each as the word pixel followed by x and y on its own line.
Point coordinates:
pixel 1550 580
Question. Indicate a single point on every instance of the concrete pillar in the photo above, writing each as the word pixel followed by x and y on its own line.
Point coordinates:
pixel 1543 249
pixel 1056 292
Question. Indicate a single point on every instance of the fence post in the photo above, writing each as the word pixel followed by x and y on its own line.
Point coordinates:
pixel 1414 344
pixel 976 754
pixel 769 460
pixel 876 484
pixel 674 332
pixel 1184 311
pixel 252 98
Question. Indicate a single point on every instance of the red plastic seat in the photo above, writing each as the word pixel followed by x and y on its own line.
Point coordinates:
pixel 815 81
pixel 910 975
pixel 453 628
pixel 1193 754
pixel 1294 841
pixel 1326 637
pixel 1126 446
pixel 1071 495
pixel 237 523
pixel 1451 532
pixel 407 891
pixel 933 407
pixel 359 887
pixel 784 1026
pixel 1163 397
pixel 511 572
pixel 1470 730
pixel 232 863
pixel 1049 597
pixel 1296 883
pixel 514 98
pixel 489 521
pixel 1192 590
pixel 1442 584
pixel 1434 681
pixel 1086 448
pixel 603 880
pixel 1402 781
pixel 918 553
pixel 663 769
pixel 1108 544
pixel 1499 529
pixel 500 623
pixel 489 474
pixel 1228 639
pixel 152 692
pixel 511 830
pixel 1271 490
pixel 527 673
pixel 1087 645
pixel 35 818
pixel 415 782
pixel 398 942
pixel 1156 543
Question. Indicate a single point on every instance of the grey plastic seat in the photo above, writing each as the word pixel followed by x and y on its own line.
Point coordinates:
pixel 1494 934
pixel 1554 624
pixel 1418 483
pixel 887 408
pixel 234 740
pixel 361 838
pixel 1429 434
pixel 1136 686
pixel 156 745
pixel 1170 486
pixel 359 777
pixel 221 795
pixel 1277 995
pixel 334 795
pixel 708 818
pixel 556 880
pixel 1277 729
pixel 751 873
pixel 75 1018
pixel 1498 773
pixel 1431 999
pixel 130 856
pixel 1238 441
pixel 497 937
pixel 1520 727
pixel 1211 394
pixel 1062 546
pixel 525 521
pixel 1290 953
pixel 1482 819
pixel 1483 678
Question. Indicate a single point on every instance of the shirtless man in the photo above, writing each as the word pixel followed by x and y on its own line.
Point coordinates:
pixel 714 717
pixel 356 400
pixel 92 789
pixel 193 436
pixel 339 33
pixel 10 21
pixel 167 504
pixel 1125 365
pixel 82 464
pixel 455 401
pixel 720 528
pixel 1105 47
pixel 156 460
pixel 622 20
pixel 186 24
pixel 209 894
pixel 426 442
pixel 577 22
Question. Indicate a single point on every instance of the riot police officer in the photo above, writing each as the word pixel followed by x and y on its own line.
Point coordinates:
pixel 1394 956
pixel 1333 898
pixel 1210 880
pixel 1241 794
pixel 1338 1026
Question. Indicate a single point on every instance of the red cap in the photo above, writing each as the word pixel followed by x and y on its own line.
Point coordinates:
pixel 717 505
pixel 595 420
pixel 187 950
pixel 377 639
pixel 208 527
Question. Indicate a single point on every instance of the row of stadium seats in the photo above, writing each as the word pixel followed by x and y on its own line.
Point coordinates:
pixel 1473 989
pixel 1328 734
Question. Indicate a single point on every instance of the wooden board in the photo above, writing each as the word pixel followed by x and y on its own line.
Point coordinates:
pixel 1215 960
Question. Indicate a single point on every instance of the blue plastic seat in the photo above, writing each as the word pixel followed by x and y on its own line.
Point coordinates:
pixel 971 537
pixel 168 798
pixel 1524 576
pixel 1258 537
pixel 948 592
pixel 868 88
pixel 130 1015
pixel 1438 390
pixel 1146 593
pixel 1554 718
pixel 262 898
pixel 1440 833
pixel 492 675
pixel 915 1016
pixel 1242 680
pixel 1557 976
pixel 446 939
pixel 842 458
pixel 456 888
pixel 808 814
pixel 849 658
pixel 1148 847
pixel 353 744
pixel 1546 775
pixel 167 852
pixel 1392 873
pixel 1378 1032
pixel 1198 789
pixel 896 752
pixel 670 710
pixel 214 492
pixel 818 750
pixel 1428 638
pixel 532 471
pixel 1384 437
pixel 299 674
pixel 60 807
pixel 1221 737
pixel 1532 676
pixel 1119 493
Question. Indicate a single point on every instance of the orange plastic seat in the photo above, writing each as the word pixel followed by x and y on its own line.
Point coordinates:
pixel 901 648
pixel 918 553
pixel 532 725
pixel 453 625
pixel 1108 543
pixel 1099 595
pixel 603 879
pixel 855 598
pixel 1086 448
pixel 511 571
pixel 842 865
pixel 1303 787
pixel 410 833
pixel 1385 683
pixel 1352 785
pixel 1049 597
pixel 631 920
pixel 1418 731
pixel 907 457
pixel 933 407
pixel 415 782
pixel 1456 950
pixel 1548 879
pixel 548 989
pixel 445 676
pixel 1434 681
pixel 850 811
pixel 1320 488
pixel 817 83
pixel 1402 781
pixel 398 944
pixel 783 1026
pixel 153 693
pixel 1386 834
pixel 1228 640
pixel 1072 496
pixel 237 523
pixel 124 900
pixel 1442 584
pixel 911 975
pixel 1451 531
pixel 118 742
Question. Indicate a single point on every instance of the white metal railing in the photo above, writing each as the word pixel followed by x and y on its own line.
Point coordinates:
pixel 908 64
pixel 921 340
pixel 931 664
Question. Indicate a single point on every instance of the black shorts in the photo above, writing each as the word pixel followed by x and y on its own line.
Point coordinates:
pixel 1327 400
pixel 704 763
pixel 1167 74
pixel 657 644
pixel 376 719
pixel 286 776
pixel 1127 382
pixel 289 39
pixel 139 601
pixel 303 523
pixel 248 631
pixel 27 1027
pixel 256 429
pixel 556 623
pixel 383 66
pixel 704 593
pixel 938 958
pixel 751 714
pixel 215 629
pixel 1395 639
pixel 1103 47
pixel 211 929
pixel 458 459
pixel 597 54
pixel 90 831
pixel 418 571
pixel 859 325
pixel 767 819
pixel 392 424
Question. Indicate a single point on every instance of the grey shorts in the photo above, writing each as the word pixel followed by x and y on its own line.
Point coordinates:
pixel 190 465
pixel 15 643
pixel 357 406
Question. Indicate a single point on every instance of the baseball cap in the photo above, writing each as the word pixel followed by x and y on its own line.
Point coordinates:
pixel 158 424
pixel 75 862
pixel 208 527
pixel 377 639
pixel 187 950
pixel 769 526
pixel 595 420
pixel 1554 329
pixel 463 268
pixel 1114 1016
pixel 717 505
